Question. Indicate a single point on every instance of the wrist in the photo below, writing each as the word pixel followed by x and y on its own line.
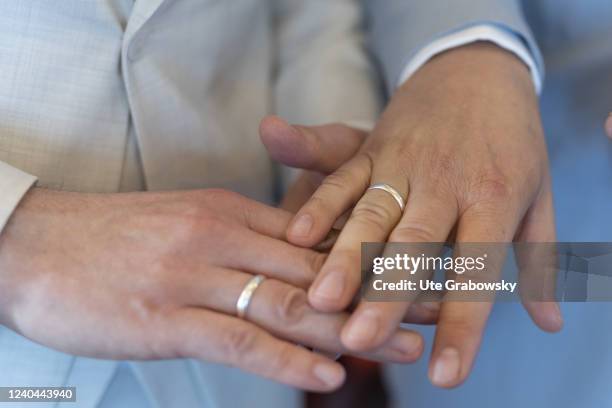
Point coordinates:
pixel 476 65
pixel 17 240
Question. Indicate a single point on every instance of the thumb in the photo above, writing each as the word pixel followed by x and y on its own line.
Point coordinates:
pixel 319 148
pixel 609 125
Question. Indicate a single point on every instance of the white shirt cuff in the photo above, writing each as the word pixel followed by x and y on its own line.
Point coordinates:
pixel 484 32
pixel 14 184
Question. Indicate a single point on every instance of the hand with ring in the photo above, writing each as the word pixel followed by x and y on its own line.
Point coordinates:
pixel 461 146
pixel 171 275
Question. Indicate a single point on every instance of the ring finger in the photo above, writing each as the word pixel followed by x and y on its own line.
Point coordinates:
pixel 372 219
pixel 428 219
pixel 283 310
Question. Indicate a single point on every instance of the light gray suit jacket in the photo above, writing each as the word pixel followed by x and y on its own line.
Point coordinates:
pixel 190 80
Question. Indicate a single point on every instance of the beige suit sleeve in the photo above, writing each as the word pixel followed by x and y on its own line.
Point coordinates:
pixel 14 184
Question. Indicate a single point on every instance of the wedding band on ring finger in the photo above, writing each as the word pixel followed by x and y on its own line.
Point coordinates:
pixel 242 304
pixel 392 191
pixel 244 300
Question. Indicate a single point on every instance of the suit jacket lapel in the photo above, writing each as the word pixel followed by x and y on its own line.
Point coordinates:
pixel 142 11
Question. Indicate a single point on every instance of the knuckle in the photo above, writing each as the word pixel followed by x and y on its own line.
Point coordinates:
pixel 317 203
pixel 239 342
pixel 141 310
pixel 442 164
pixel 492 186
pixel 205 220
pixel 337 180
pixel 459 328
pixel 159 284
pixel 280 361
pixel 404 150
pixel 160 342
pixel 164 287
pixel 292 306
pixel 374 214
pixel 156 286
pixel 414 231
pixel 495 189
pixel 192 218
pixel 446 159
pixel 442 173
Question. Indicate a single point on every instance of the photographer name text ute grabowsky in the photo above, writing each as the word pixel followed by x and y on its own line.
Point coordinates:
pixel 449 285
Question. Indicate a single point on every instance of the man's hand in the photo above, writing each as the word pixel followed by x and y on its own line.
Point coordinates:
pixel 462 142
pixel 609 125
pixel 157 275
pixel 319 151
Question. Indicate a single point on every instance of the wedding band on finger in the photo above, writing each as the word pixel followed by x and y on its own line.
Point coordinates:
pixel 394 193
pixel 247 294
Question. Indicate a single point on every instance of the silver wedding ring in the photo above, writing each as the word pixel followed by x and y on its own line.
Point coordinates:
pixel 247 294
pixel 394 193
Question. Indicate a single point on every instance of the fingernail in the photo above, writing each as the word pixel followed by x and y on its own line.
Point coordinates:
pixel 446 368
pixel 302 225
pixel 362 329
pixel 331 375
pixel 330 287
pixel 407 344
